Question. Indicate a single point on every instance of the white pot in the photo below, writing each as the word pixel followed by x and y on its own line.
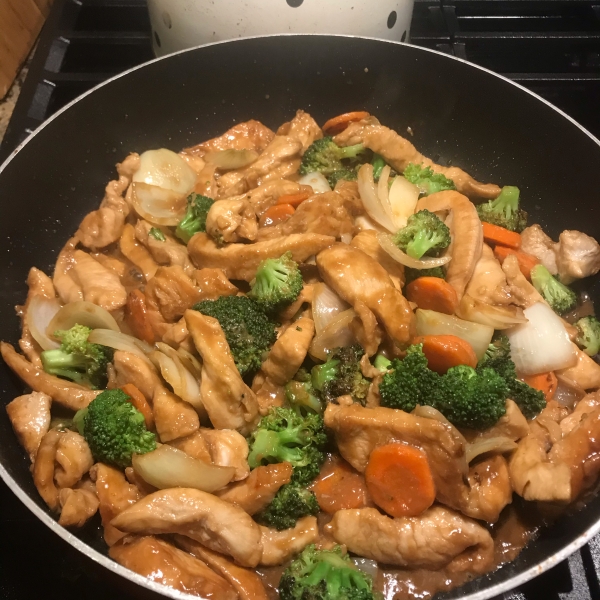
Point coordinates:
pixel 179 24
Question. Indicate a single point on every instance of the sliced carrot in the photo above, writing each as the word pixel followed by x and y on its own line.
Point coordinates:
pixel 545 382
pixel 136 316
pixel 526 261
pixel 399 480
pixel 339 123
pixel 339 487
pixel 446 351
pixel 432 293
pixel 276 214
pixel 293 199
pixel 139 401
pixel 493 234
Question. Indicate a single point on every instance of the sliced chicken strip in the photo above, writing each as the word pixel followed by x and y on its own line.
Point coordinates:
pixel 512 425
pixel 585 373
pixel 367 242
pixel 64 278
pixel 247 584
pixel 43 468
pixel 159 561
pixel 137 253
pixel 217 524
pixel 131 368
pixel 435 539
pixel 232 220
pixel 173 417
pixel 578 256
pixel 240 261
pixel 355 276
pixel 229 402
pixel 535 242
pixel 302 127
pixel 30 418
pixel 77 505
pixel 68 394
pixel 584 407
pixel 213 284
pixel 521 290
pixel 280 546
pixel 249 135
pixel 73 458
pixel 257 491
pixel 490 488
pixel 267 194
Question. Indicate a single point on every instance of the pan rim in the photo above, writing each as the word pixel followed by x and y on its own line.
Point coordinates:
pixel 490 592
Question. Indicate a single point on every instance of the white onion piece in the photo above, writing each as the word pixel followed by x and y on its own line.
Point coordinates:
pixel 167 467
pixel 158 205
pixel 82 313
pixel 190 362
pixel 383 194
pixel 336 335
pixel 542 344
pixel 497 445
pixel 165 169
pixel 120 341
pixel 429 412
pixel 326 304
pixel 366 565
pixel 403 197
pixel 430 322
pixel 370 199
pixel 231 158
pixel 40 312
pixel 498 317
pixel 386 242
pixel 317 181
pixel 365 223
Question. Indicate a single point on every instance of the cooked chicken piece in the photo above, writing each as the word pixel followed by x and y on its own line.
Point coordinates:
pixel 512 425
pixel 68 394
pixel 131 368
pixel 491 489
pixel 584 374
pixel 399 152
pixel 488 282
pixel 137 253
pixel 355 276
pixel 206 184
pixel 77 506
pixel 173 417
pixel 305 297
pixel 229 402
pixel 232 220
pixel 279 546
pixel 583 408
pixel 437 538
pixel 114 264
pixel 521 290
pixel 165 252
pixel 365 328
pixel 74 459
pixel 64 279
pixel 249 135
pixel 329 213
pixel 115 495
pixel 171 292
pixel 216 524
pixel 223 447
pixel 267 194
pixel 268 393
pixel 196 162
pixel 30 418
pixel 467 235
pixel 39 284
pixel 100 285
pixel 302 127
pixel 578 256
pixel 246 583
pixel 535 242
pixel 257 491
pixel 240 261
pixel 158 561
pixel 213 284
pixel 43 468
pixel 367 242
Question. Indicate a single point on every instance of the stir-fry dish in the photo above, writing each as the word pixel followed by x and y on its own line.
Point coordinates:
pixel 309 364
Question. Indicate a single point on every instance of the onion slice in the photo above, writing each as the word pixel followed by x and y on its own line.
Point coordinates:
pixel 403 197
pixel 370 199
pixel 387 244
pixel 82 313
pixel 428 412
pixel 498 317
pixel 120 341
pixel 497 445
pixel 167 467
pixel 167 170
pixel 158 205
pixel 326 305
pixel 231 158
pixel 336 335
pixel 317 181
pixel 40 312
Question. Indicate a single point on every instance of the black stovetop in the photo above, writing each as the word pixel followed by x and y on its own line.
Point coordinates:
pixel 549 46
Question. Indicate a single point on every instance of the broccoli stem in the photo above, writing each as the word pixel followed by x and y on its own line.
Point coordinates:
pixel 378 163
pixel 382 363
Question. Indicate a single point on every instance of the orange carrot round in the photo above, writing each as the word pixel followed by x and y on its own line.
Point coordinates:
pixel 139 401
pixel 136 316
pixel 293 199
pixel 399 480
pixel 446 351
pixel 276 214
pixel 526 261
pixel 432 293
pixel 339 123
pixel 545 382
pixel 493 234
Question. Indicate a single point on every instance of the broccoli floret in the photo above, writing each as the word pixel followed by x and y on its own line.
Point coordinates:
pixel 378 163
pixel 248 330
pixel 114 429
pixel 324 575
pixel 504 211
pixel 347 174
pixel 424 234
pixel 588 337
pixel 301 396
pixel 284 435
pixel 277 283
pixel 383 363
pixel 426 180
pixel 292 502
pixel 341 375
pixel 77 359
pixel 560 298
pixel 412 274
pixel 325 156
pixel 157 234
pixel 194 220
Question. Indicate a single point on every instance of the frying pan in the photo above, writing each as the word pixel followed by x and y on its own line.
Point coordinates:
pixel 457 113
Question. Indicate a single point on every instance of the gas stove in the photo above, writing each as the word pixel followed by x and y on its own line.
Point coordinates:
pixel 550 46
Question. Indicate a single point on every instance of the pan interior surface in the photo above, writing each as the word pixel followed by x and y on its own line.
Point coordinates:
pixel 453 112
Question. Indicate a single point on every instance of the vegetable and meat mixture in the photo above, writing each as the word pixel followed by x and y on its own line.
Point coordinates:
pixel 309 364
